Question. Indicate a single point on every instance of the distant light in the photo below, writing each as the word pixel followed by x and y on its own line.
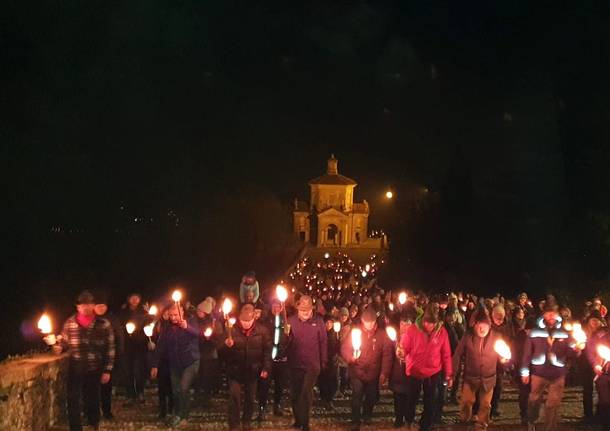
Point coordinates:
pixel 389 194
pixel 326 255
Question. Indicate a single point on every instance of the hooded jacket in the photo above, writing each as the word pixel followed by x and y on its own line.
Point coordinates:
pixel 375 357
pixel 426 354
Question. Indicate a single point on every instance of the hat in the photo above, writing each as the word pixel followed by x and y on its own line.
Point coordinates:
pixel 247 313
pixel 344 311
pixel 499 310
pixel 305 303
pixel 251 274
pixel 550 305
pixel 431 314
pixel 523 295
pixel 595 314
pixel 369 315
pixel 481 316
pixel 85 297
pixel 206 306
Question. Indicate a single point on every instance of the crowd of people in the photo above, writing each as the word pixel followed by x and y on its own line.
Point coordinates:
pixel 344 335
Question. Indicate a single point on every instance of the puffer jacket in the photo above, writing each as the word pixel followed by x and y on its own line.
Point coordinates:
pixel 375 357
pixel 426 354
pixel 251 352
pixel 480 358
pixel 547 352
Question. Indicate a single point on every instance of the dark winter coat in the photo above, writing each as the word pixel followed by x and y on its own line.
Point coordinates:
pixel 546 361
pixel 480 358
pixel 398 377
pixel 208 346
pixel 307 348
pixel 250 354
pixel 375 358
pixel 180 346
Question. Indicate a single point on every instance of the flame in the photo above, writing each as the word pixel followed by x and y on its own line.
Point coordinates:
pixel 502 349
pixel 153 310
pixel 391 333
pixel 208 332
pixel 130 327
pixel 232 321
pixel 402 298
pixel 176 296
pixel 337 326
pixel 148 329
pixel 391 306
pixel 578 334
pixel 44 324
pixel 604 352
pixel 281 292
pixel 356 339
pixel 227 306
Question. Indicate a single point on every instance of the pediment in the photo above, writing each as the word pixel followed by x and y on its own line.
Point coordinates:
pixel 331 212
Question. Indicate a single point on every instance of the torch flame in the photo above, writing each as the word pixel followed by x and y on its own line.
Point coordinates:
pixel 604 352
pixel 356 339
pixel 402 298
pixel 208 332
pixel 153 310
pixel 227 306
pixel 281 292
pixel 391 333
pixel 578 334
pixel 148 329
pixel 502 349
pixel 176 296
pixel 44 324
pixel 391 306
pixel 337 326
pixel 232 321
pixel 130 327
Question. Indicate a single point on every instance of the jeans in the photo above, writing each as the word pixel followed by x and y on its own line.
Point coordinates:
pixel 327 382
pixel 603 393
pixel 400 408
pixel 555 394
pixel 364 397
pixel 301 391
pixel 279 374
pixel 166 399
pixel 135 371
pixel 83 386
pixel 182 380
pixel 106 397
pixel 235 404
pixel 430 388
pixel 497 394
pixel 470 392
pixel 209 376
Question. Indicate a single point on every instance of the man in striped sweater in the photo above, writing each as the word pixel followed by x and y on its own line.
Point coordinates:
pixel 89 339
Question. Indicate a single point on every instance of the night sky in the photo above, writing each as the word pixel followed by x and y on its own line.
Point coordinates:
pixel 178 111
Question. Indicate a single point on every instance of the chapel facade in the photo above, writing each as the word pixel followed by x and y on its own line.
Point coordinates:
pixel 331 218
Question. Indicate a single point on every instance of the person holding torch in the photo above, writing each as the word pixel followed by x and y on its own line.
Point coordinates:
pixel 480 349
pixel 368 353
pixel 89 340
pixel 180 344
pixel 248 358
pixel 545 363
pixel 598 355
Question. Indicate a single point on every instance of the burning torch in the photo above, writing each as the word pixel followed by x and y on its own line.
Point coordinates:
pixel 357 342
pixel 503 350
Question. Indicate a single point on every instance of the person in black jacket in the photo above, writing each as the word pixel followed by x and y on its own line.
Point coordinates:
pixel 327 381
pixel 136 348
pixel 398 377
pixel 210 332
pixel 248 357
pixel 369 369
pixel 279 370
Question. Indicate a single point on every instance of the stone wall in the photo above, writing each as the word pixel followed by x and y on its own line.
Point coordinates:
pixel 32 392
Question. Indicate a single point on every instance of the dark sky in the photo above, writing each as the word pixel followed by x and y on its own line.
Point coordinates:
pixel 155 104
